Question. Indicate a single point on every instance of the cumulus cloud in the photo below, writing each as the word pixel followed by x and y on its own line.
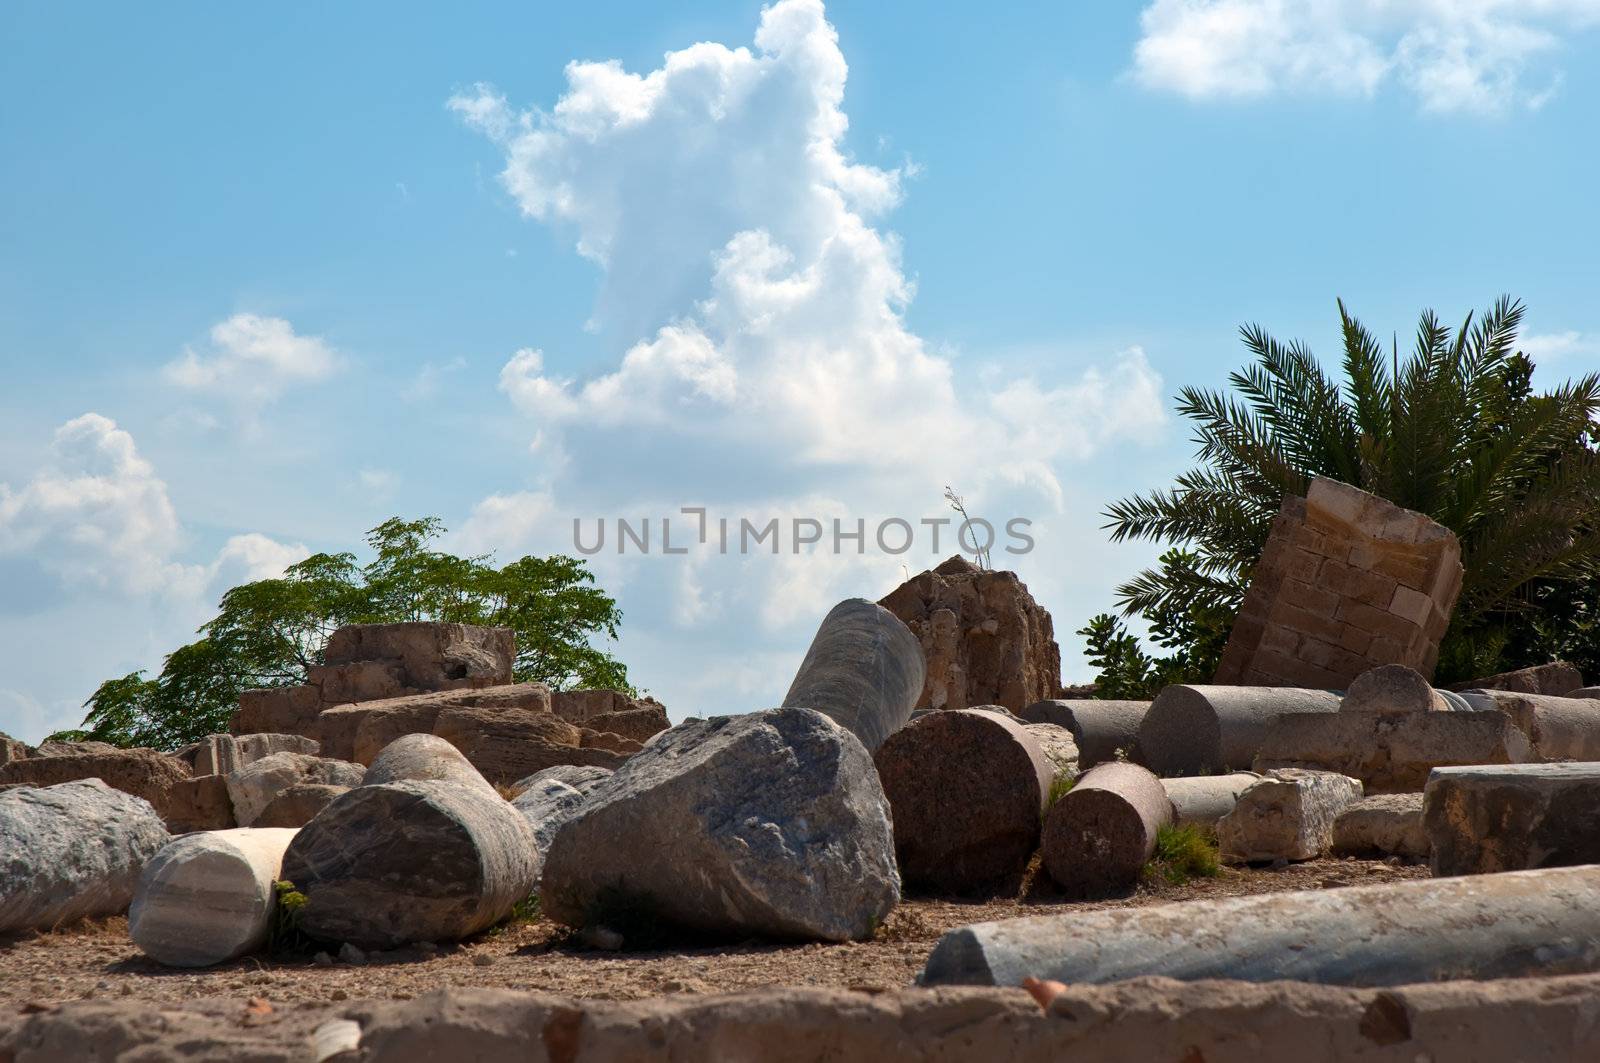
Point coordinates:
pixel 736 235
pixel 98 516
pixel 1476 56
pixel 252 360
pixel 1553 346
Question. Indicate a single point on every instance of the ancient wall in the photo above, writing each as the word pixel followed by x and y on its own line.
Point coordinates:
pixel 1347 581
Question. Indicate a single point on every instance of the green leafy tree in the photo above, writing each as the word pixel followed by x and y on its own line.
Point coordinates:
pixel 268 633
pixel 1453 430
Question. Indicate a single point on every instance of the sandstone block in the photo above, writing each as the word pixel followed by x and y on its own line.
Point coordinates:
pixel 1392 689
pixel 1506 818
pixel 863 670
pixel 431 656
pixel 778 828
pixel 1382 825
pixel 1555 679
pixel 144 773
pixel 1286 815
pixel 966 788
pixel 70 851
pixel 1102 832
pixel 208 898
pixel 1558 727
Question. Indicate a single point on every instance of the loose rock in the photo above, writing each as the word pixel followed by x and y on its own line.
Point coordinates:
pixel 256 785
pixel 1382 825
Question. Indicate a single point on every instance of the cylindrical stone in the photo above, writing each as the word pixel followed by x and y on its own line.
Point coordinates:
pixel 391 863
pixel 1392 689
pixel 965 788
pixel 1104 730
pixel 208 898
pixel 1204 730
pixel 1560 728
pixel 864 670
pixel 1204 799
pixel 423 757
pixel 71 851
pixel 1100 833
pixel 1508 925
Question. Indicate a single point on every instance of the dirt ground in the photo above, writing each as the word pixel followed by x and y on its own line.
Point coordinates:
pixel 98 960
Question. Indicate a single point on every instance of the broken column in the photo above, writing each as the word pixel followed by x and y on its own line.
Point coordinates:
pixel 966 787
pixel 1103 730
pixel 1204 799
pixel 1099 834
pixel 257 784
pixel 1347 581
pixel 1558 727
pixel 1510 925
pixel 1382 825
pixel 1204 730
pixel 1286 815
pixel 71 851
pixel 1505 818
pixel 425 850
pixel 864 670
pixel 208 898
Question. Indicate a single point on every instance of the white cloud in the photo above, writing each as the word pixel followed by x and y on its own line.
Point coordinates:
pixel 1476 56
pixel 99 516
pixel 253 360
pixel 1554 346
pixel 427 380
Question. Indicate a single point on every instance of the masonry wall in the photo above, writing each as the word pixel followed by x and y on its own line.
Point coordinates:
pixel 1347 581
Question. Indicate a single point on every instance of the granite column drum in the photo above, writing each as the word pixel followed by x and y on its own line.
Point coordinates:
pixel 1099 834
pixel 1206 730
pixel 1102 729
pixel 1511 925
pixel 864 670
pixel 966 788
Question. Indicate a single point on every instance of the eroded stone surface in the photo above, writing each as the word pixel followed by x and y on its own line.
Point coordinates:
pixel 1505 818
pixel 1103 730
pixel 144 773
pixel 862 670
pixel 1392 689
pixel 1288 814
pixel 1102 832
pixel 256 785
pixel 1382 825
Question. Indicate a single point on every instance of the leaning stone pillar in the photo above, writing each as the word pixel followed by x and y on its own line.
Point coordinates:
pixel 864 670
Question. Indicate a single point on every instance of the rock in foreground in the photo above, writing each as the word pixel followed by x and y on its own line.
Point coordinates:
pixel 771 824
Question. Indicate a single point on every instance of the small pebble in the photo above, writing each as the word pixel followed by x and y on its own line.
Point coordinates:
pixel 482 959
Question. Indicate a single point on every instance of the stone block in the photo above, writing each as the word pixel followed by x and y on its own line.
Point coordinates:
pixel 1391 753
pixel 1382 825
pixel 1286 815
pixel 1483 819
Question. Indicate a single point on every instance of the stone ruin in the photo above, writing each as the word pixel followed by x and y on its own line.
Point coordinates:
pixel 1347 582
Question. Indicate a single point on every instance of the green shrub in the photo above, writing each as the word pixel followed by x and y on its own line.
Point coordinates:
pixel 1183 852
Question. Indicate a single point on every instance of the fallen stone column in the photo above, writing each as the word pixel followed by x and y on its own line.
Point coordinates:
pixel 1382 825
pixel 1205 730
pixel 1057 745
pixel 864 670
pixel 1102 729
pixel 1287 814
pixel 72 851
pixel 423 758
pixel 770 824
pixel 208 898
pixel 966 787
pixel 1393 689
pixel 1204 799
pixel 1099 834
pixel 1512 925
pixel 551 798
pixel 1560 728
pixel 1494 818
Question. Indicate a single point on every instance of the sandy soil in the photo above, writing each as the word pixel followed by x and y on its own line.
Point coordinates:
pixel 98 960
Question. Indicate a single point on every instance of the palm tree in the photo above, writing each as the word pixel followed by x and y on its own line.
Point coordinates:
pixel 1454 431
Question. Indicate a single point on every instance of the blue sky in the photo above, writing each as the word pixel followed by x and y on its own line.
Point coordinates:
pixel 308 269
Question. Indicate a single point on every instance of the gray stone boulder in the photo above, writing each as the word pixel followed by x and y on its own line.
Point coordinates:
pixel 548 804
pixel 256 785
pixel 72 851
pixel 771 824
pixel 1382 825
pixel 581 777
pixel 1286 815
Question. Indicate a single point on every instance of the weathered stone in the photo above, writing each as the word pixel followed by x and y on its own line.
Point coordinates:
pixel 11 748
pixel 1286 815
pixel 1558 727
pixel 548 804
pixel 1103 730
pixel 223 754
pixel 71 749
pixel 141 772
pixel 1512 925
pixel 424 758
pixel 1204 799
pixel 431 656
pixel 1484 819
pixel 506 744
pixel 208 898
pixel 1553 679
pixel 255 786
pixel 278 710
pixel 298 805
pixel 1392 689
pixel 417 860
pixel 200 803
pixel 1056 744
pixel 611 710
pixel 1382 825
pixel 1099 834
pixel 966 788
pixel 581 777
pixel 71 851
pixel 985 640
pixel 1392 753
pixel 863 671
pixel 1583 692
pixel 1206 730
pixel 1347 581
pixel 358 732
pixel 772 824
